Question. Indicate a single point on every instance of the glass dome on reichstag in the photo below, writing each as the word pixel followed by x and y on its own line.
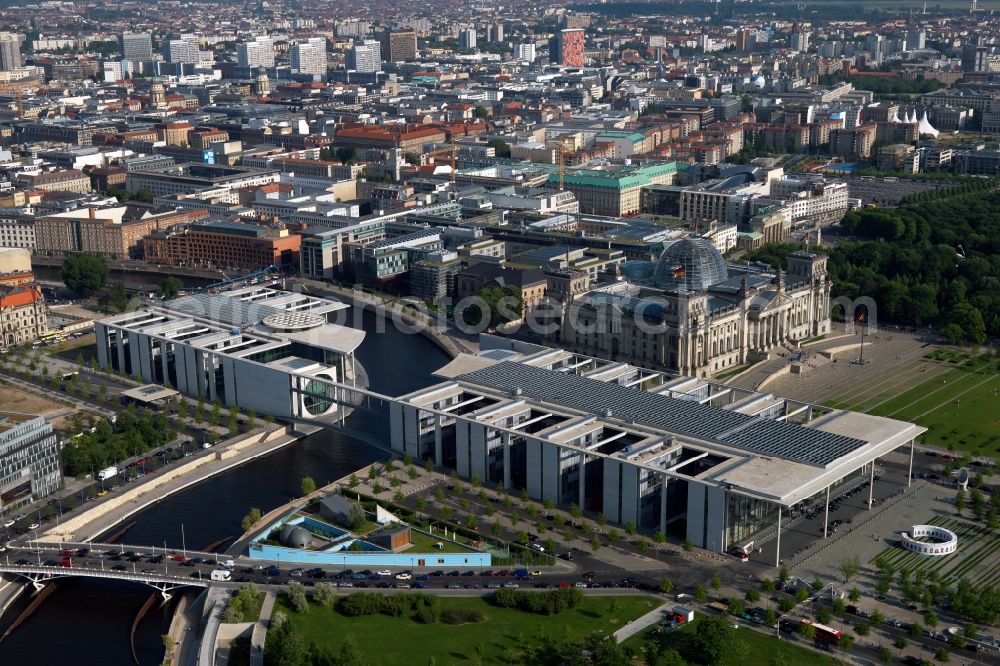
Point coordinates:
pixel 691 261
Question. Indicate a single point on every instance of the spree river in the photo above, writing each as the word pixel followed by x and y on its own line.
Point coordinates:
pixel 88 621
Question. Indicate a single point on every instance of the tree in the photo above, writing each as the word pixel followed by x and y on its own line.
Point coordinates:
pixel 931 619
pixel 807 631
pixel 850 567
pixel 297 597
pixel 941 655
pixel 170 287
pixel 783 574
pixel 735 606
pixel 666 585
pixel 308 486
pixel 356 516
pixel 595 544
pixel 659 539
pixel 715 582
pixel 169 644
pixel 900 643
pixel 839 607
pixel 251 519
pixel 752 596
pixel 700 594
pixel 86 274
pixel 687 545
pixel 501 147
pixel 854 594
pixel 861 628
pixel 713 640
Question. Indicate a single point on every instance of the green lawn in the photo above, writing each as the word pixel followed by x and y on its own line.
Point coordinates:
pixel 391 640
pixel 958 407
pixel 760 648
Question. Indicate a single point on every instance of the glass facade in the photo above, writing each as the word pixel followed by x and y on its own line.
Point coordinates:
pixel 746 517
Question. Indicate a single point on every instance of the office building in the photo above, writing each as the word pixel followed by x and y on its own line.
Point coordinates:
pixel 253 348
pixel 613 191
pixel 224 245
pixel 29 460
pixel 309 57
pixel 137 46
pixel 365 56
pixel 258 52
pixel 495 32
pixel 566 48
pixel 10 51
pixel 190 177
pixel 525 52
pixel 114 233
pixel 399 45
pixel 722 467
pixel 467 38
pixel 798 41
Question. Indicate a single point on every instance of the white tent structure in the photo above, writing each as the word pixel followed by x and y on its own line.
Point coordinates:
pixel 926 127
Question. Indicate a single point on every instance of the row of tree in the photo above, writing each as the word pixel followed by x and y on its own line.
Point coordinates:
pixel 935 260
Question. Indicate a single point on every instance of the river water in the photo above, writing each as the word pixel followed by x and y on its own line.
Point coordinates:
pixel 88 621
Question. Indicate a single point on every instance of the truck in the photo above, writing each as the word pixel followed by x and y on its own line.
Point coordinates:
pixel 107 473
pixel 221 574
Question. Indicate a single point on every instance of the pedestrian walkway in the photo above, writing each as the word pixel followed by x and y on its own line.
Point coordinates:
pixel 641 623
pixel 260 630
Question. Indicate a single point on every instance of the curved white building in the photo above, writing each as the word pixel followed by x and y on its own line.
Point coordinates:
pixel 930 540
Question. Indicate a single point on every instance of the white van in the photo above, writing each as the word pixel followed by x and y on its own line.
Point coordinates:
pixel 221 574
pixel 228 564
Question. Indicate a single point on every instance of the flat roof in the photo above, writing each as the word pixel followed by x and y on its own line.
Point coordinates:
pixel 149 393
pixel 789 441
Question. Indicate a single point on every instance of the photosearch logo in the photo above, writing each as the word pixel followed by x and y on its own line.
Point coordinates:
pixel 859 313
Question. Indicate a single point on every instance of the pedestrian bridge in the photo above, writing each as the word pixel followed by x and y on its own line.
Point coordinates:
pixel 38 576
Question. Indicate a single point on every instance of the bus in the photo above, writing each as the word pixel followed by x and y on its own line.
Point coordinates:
pixel 825 635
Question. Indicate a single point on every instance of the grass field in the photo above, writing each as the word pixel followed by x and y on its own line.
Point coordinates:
pixel 977 557
pixel 425 543
pixel 391 640
pixel 957 402
pixel 760 648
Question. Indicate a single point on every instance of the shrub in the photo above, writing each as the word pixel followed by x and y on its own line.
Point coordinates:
pixel 552 602
pixel 462 616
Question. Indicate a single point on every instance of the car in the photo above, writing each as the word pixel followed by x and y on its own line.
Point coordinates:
pixel 469 573
pixel 375 576
pixel 401 586
pixel 437 573
pixel 178 558
pixel 272 571
pixel 511 585
pixel 384 572
pixel 588 574
pixel 493 586
pixel 149 571
pixel 66 562
pixel 455 573
pixel 345 583
pixel 403 576
pixel 210 562
pixel 33 526
pixel 22 563
pixel 422 578
pixel 502 572
pixel 67 553
pixel 580 584
pixel 102 492
pixel 472 586
pixel 384 584
pixel 488 572
pixel 119 567
pixel 9 523
pixel 83 552
pixel 536 572
pixel 295 573
pixel 542 586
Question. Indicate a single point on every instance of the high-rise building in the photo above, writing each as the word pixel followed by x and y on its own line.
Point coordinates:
pixel 915 40
pixel 798 41
pixel 399 45
pixel 309 56
pixel 137 46
pixel 566 48
pixel 467 38
pixel 365 56
pixel 256 53
pixel 180 50
pixel 525 52
pixel 975 58
pixel 10 51
pixel 743 39
pixel 496 32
